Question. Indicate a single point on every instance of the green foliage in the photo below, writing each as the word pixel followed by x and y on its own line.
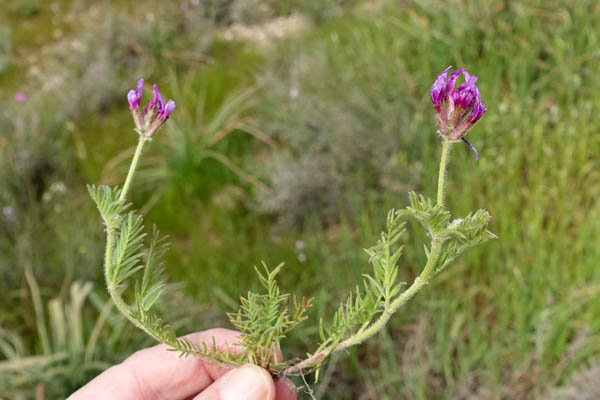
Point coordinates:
pixel 384 257
pixel 461 234
pixel 79 335
pixel 264 320
pixel 25 8
pixel 125 259
pixel 456 235
pixel 379 289
pixel 125 232
pixel 107 201
pixel 431 215
pixel 152 284
pixel 365 313
pixel 5 49
pixel 256 11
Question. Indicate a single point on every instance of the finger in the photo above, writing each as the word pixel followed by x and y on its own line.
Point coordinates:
pixel 248 382
pixel 156 373
pixel 285 390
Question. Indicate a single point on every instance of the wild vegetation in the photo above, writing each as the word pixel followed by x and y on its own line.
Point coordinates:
pixel 295 151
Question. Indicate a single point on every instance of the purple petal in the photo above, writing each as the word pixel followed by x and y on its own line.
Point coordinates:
pixel 463 97
pixel 131 98
pixel 155 96
pixel 469 80
pixel 134 97
pixel 478 107
pixel 157 99
pixel 480 111
pixel 167 110
pixel 140 88
pixel 170 106
pixel 452 81
pixel 438 89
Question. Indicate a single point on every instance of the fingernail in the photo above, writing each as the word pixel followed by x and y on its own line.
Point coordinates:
pixel 247 382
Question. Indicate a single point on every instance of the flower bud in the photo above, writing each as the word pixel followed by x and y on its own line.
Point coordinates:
pixel 134 97
pixel 155 113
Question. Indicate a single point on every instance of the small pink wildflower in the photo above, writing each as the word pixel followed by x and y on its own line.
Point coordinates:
pixel 20 97
pixel 294 93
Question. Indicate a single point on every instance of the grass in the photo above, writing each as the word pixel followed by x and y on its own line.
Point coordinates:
pixel 513 319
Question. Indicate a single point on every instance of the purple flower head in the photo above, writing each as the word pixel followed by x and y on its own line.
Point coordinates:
pixel 457 109
pixel 20 97
pixel 154 114
pixel 134 97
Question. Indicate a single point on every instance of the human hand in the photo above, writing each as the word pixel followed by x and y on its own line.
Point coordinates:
pixel 155 373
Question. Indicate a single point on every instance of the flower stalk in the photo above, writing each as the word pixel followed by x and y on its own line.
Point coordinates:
pixel 457 110
pixel 420 281
pixel 147 123
pixel 442 171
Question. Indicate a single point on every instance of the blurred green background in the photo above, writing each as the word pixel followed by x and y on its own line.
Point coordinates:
pixel 299 123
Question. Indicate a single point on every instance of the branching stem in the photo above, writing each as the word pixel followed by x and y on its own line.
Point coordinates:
pixel 420 281
pixel 370 330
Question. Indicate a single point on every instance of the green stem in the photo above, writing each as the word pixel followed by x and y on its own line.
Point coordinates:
pixel 110 232
pixel 408 294
pixel 132 168
pixel 125 310
pixel 442 172
pixel 390 308
pixel 110 242
pixel 383 319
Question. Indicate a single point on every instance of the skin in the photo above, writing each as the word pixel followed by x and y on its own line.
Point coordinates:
pixel 158 374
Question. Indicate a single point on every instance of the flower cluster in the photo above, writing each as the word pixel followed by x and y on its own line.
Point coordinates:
pixel 457 109
pixel 155 113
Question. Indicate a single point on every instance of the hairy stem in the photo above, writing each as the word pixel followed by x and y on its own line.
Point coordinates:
pixel 390 308
pixel 383 319
pixel 442 172
pixel 110 242
pixel 408 294
pixel 132 168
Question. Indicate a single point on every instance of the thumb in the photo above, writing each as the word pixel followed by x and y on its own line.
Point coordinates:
pixel 248 382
